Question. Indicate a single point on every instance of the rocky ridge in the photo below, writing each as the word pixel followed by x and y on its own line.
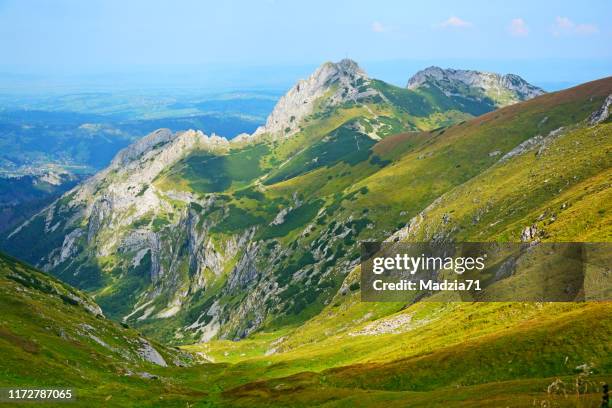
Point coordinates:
pixel 502 89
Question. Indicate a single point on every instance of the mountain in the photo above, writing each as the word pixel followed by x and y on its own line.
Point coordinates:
pixel 422 354
pixel 191 237
pixel 82 132
pixel 474 89
pixel 198 196
pixel 65 138
pixel 434 97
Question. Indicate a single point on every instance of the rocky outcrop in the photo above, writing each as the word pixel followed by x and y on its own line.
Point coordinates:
pixel 539 141
pixel 603 113
pixel 148 353
pixel 529 233
pixel 502 89
pixel 69 246
pixel 141 146
pixel 100 211
pixel 245 271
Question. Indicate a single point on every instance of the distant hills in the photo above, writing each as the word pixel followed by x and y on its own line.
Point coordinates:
pixel 22 196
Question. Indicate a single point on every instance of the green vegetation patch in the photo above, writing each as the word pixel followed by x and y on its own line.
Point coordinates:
pixel 342 145
pixel 237 219
pixel 296 218
pixel 208 173
pixel 405 99
pixel 119 298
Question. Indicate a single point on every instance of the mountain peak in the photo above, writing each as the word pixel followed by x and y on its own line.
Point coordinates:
pixel 346 67
pixel 501 89
pixel 338 82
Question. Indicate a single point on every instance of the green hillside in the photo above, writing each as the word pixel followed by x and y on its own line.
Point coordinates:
pixel 516 349
pixel 462 354
pixel 55 336
pixel 247 254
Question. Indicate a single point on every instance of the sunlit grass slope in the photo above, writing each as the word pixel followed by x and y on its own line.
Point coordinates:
pixel 49 338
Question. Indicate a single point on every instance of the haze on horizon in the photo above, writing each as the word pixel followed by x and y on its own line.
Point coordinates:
pixel 269 44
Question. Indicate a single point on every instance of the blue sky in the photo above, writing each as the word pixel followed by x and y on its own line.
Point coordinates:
pixel 269 42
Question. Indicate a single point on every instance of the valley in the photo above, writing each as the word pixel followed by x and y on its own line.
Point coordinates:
pixel 238 260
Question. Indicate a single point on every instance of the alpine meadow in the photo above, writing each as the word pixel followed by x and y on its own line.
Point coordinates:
pixel 187 248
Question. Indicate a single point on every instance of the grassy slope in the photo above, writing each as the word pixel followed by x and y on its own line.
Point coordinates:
pixel 426 165
pixel 563 189
pixel 493 333
pixel 48 341
pixel 455 155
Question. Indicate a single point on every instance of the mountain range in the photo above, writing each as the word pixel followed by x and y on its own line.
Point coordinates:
pixel 180 223
pixel 196 240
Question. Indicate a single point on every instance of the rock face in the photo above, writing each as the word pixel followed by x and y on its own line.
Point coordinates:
pixel 501 89
pixel 529 233
pixel 603 113
pixel 148 353
pixel 338 82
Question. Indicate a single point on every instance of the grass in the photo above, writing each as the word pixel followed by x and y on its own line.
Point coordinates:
pixel 210 173
pixel 564 191
pixel 372 368
pixel 294 219
pixel 342 145
pixel 511 349
pixel 46 341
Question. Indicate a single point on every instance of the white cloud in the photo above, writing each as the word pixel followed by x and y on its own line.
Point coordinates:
pixel 565 26
pixel 379 27
pixel 518 28
pixel 454 22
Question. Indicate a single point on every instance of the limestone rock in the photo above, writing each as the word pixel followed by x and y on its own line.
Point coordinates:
pixel 603 113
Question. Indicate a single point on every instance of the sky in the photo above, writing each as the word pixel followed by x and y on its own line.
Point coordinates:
pixel 269 43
